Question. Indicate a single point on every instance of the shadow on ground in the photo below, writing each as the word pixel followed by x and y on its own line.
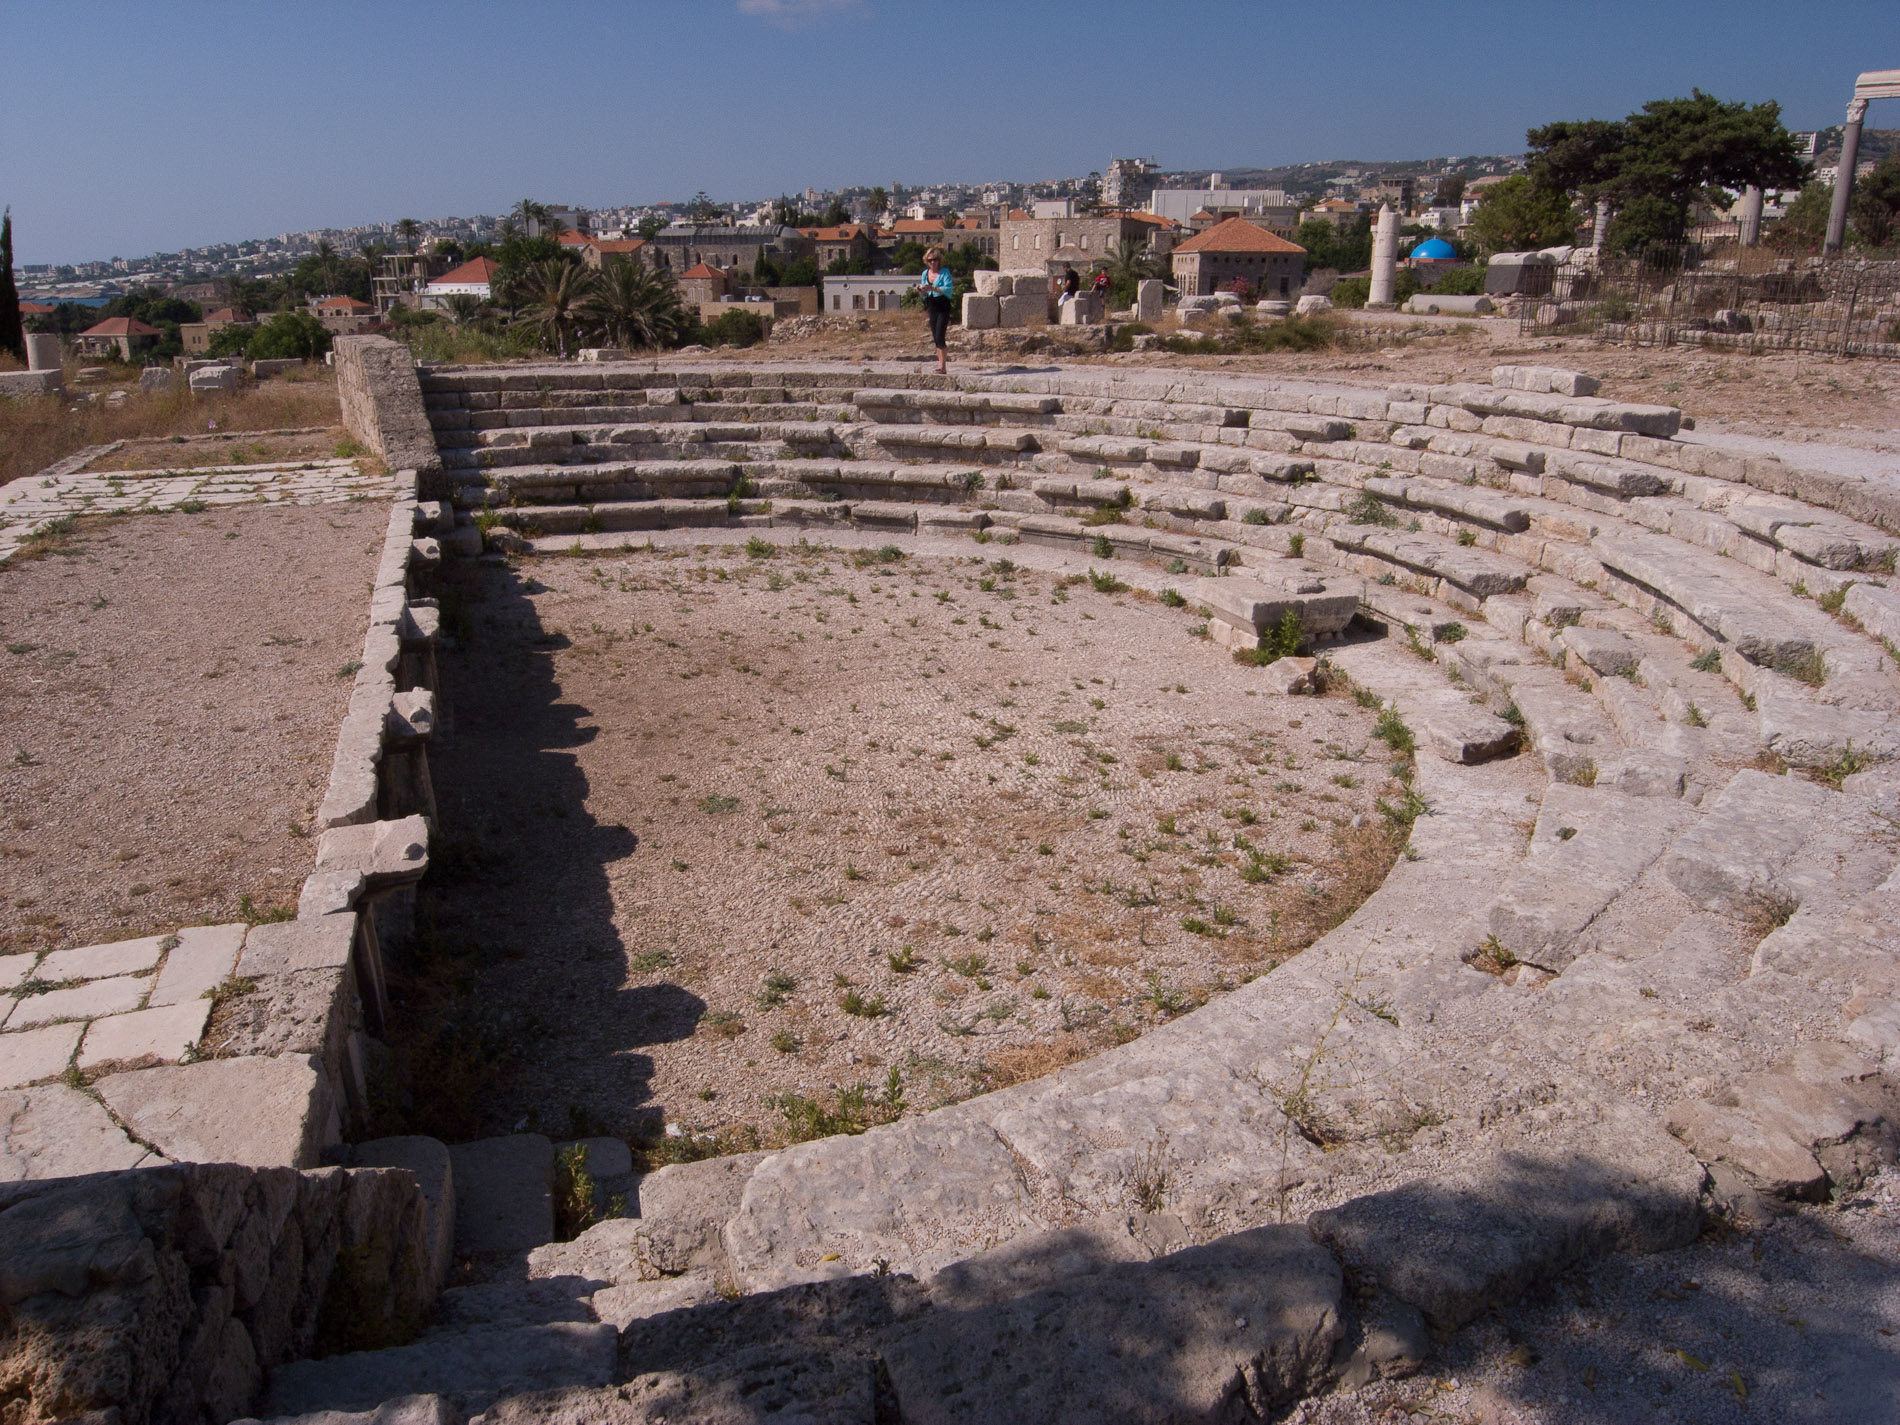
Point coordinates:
pixel 512 1011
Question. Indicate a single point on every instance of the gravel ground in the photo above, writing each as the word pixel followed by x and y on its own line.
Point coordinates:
pixel 699 806
pixel 170 694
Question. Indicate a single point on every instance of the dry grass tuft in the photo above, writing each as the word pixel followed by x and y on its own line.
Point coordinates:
pixel 40 430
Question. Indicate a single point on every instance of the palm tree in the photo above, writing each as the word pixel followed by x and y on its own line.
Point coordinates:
pixel 532 217
pixel 638 305
pixel 1129 262
pixel 327 264
pixel 464 310
pixel 407 231
pixel 557 293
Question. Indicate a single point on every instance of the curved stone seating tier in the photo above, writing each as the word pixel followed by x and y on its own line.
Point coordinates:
pixel 1634 968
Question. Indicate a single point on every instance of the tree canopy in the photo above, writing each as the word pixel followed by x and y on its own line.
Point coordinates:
pixel 1517 215
pixel 1655 163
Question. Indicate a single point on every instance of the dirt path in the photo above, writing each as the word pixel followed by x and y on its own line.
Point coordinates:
pixel 170 690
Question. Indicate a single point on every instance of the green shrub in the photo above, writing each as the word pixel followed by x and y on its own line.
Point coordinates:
pixel 1351 292
pixel 1461 282
pixel 735 328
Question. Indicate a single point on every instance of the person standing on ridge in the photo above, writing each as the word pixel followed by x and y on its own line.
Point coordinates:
pixel 937 285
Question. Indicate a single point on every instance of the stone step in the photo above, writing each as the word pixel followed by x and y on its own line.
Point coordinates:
pixel 1589 848
pixel 1726 602
pixel 1566 728
pixel 986 444
pixel 1476 573
pixel 953 407
pixel 1474 505
pixel 503 1194
pixel 624 480
pixel 470 1368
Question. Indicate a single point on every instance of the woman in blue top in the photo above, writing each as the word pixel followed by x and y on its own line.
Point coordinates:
pixel 937 285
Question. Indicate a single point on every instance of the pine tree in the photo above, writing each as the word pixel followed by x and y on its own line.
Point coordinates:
pixel 12 334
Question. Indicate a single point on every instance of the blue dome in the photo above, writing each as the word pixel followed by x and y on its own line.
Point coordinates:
pixel 1435 250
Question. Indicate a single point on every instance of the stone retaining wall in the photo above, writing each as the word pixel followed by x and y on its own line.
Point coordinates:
pixel 382 407
pixel 165 1294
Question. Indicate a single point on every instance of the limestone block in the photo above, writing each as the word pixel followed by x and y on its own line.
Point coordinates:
pixel 35 1054
pixel 1271 308
pixel 429 1162
pixel 1735 857
pixel 214 378
pixel 1552 379
pixel 1454 1244
pixel 87 1001
pixel 981 311
pixel 386 854
pixel 474 1367
pixel 262 370
pixel 320 943
pixel 904 1193
pixel 201 960
pixel 56 1132
pixel 1150 299
pixel 1427 304
pixel 1242 1324
pixel 91 962
pixel 503 1193
pixel 627 1302
pixel 1603 650
pixel 685 1207
pixel 30 383
pixel 168 1033
pixel 1311 304
pixel 156 380
pixel 1082 310
pixel 994 284
pixel 264 1113
pixel 1020 310
pixel 411 718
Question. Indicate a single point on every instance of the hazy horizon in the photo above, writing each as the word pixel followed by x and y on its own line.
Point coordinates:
pixel 152 136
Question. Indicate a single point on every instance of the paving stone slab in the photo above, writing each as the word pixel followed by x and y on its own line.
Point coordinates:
pixel 87 1001
pixel 15 970
pixel 503 1193
pixel 264 1113
pixel 472 1368
pixel 203 958
pixel 167 1033
pixel 683 1210
pixel 57 1132
pixel 96 962
pixel 35 1054
pixel 1224 1331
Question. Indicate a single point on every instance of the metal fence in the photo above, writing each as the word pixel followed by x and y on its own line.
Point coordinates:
pixel 1751 299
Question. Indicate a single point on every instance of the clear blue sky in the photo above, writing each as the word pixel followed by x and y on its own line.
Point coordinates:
pixel 127 128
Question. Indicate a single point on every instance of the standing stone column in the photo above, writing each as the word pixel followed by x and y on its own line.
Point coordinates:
pixel 1844 177
pixel 1601 232
pixel 1385 258
pixel 42 351
pixel 1751 216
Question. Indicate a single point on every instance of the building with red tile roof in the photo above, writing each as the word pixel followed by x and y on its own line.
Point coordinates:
pixel 1236 251
pixel 123 337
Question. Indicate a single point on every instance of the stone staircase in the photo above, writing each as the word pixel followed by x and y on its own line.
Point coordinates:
pixel 1646 970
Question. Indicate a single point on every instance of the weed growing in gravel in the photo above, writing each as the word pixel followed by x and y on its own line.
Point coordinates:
pixel 903 961
pixel 854 1003
pixel 574 1207
pixel 1172 598
pixel 1148 1180
pixel 716 804
pixel 1284 640
pixel 1850 760
pixel 776 988
pixel 725 1023
pixel 1708 662
pixel 1391 730
pixel 757 548
pixel 971 967
pixel 854 1110
pixel 785 1042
